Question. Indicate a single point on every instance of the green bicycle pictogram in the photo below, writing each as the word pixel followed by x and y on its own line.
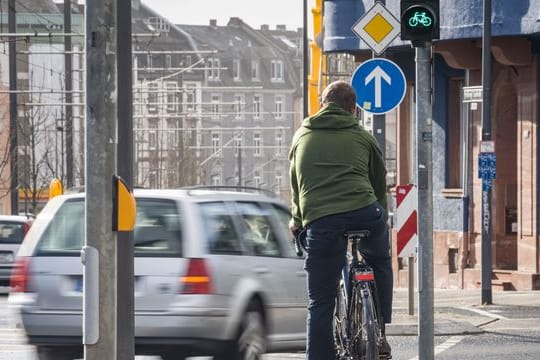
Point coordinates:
pixel 420 18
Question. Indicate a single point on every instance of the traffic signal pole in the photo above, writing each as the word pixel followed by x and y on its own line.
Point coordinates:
pixel 425 201
pixel 420 24
pixel 99 253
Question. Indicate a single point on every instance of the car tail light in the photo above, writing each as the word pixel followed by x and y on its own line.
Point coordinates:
pixel 197 279
pixel 19 276
pixel 26 227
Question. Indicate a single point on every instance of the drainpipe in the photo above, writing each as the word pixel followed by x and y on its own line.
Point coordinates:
pixel 466 184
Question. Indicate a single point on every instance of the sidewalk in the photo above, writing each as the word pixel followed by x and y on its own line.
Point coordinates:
pixel 460 311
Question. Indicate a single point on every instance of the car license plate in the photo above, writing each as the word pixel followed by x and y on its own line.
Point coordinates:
pixel 78 284
pixel 6 257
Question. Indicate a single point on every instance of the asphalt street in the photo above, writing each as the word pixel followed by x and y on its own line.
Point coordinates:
pixel 507 330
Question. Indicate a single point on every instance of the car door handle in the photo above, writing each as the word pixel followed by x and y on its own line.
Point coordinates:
pixel 262 270
pixel 301 273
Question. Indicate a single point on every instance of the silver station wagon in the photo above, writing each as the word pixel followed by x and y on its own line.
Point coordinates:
pixel 13 228
pixel 215 274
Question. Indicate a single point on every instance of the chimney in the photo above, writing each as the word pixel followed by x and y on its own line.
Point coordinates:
pixel 213 22
pixel 265 27
pixel 235 21
pixel 281 27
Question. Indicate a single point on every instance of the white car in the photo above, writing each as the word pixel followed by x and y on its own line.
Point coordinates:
pixel 249 297
pixel 13 228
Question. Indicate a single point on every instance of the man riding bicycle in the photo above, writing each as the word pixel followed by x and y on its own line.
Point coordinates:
pixel 338 183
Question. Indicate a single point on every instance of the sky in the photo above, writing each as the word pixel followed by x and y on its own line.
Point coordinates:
pixel 253 12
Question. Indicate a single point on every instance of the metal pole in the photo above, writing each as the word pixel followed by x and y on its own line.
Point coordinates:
pixel 13 128
pixel 239 165
pixel 379 121
pixel 486 135
pixel 425 202
pixel 125 306
pixel 411 286
pixel 100 253
pixel 68 84
pixel 305 72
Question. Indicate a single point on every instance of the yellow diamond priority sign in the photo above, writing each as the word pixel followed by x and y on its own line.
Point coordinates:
pixel 377 27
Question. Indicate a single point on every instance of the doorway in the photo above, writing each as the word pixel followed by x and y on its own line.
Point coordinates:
pixel 505 190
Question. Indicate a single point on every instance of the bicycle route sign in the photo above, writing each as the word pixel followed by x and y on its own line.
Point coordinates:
pixel 379 84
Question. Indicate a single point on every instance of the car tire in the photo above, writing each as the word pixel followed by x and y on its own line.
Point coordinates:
pixel 250 341
pixel 57 353
pixel 172 356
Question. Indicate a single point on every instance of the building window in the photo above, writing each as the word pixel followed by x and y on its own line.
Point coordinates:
pixel 190 98
pixel 168 61
pixel 237 144
pixel 257 103
pixel 187 63
pixel 171 135
pixel 153 100
pixel 278 181
pixel 214 69
pixel 257 179
pixel 257 144
pixel 149 61
pixel 152 179
pixel 216 105
pixel 278 107
pixel 171 178
pixel 236 69
pixel 279 142
pixel 172 97
pixel 255 70
pixel 238 106
pixel 216 143
pixel 152 134
pixel 276 70
pixel 454 148
pixel 216 180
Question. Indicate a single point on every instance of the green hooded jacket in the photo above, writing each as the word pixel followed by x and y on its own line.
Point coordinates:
pixel 335 166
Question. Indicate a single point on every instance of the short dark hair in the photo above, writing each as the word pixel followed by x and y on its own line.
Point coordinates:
pixel 340 93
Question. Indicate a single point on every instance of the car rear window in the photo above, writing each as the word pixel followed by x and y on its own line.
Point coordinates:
pixel 11 232
pixel 157 231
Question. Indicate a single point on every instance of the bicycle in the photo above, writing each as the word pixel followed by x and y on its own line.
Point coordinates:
pixel 420 18
pixel 358 326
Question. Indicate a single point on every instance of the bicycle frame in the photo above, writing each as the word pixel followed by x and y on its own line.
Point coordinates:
pixel 358 282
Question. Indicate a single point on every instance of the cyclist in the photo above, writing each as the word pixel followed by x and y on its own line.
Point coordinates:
pixel 338 183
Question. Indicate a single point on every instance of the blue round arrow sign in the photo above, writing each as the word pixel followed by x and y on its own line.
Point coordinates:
pixel 379 84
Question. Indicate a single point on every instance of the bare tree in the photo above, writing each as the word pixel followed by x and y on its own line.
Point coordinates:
pixel 38 155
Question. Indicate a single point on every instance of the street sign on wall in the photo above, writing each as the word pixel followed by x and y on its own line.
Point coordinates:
pixel 407 220
pixel 379 84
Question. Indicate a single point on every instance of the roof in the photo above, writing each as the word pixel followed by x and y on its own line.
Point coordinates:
pixel 237 40
pixel 460 19
pixel 172 39
pixel 33 6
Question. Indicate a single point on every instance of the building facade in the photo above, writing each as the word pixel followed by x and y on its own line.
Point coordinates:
pixel 41 101
pixel 457 132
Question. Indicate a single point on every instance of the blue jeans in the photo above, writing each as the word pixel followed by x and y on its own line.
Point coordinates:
pixel 326 249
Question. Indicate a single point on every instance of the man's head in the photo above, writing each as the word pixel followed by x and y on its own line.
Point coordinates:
pixel 340 93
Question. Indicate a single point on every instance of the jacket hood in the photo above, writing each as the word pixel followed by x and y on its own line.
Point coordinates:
pixel 330 116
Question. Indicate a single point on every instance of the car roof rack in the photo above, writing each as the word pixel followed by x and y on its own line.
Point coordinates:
pixel 247 189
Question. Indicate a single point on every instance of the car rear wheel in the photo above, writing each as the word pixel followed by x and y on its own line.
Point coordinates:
pixel 250 342
pixel 172 356
pixel 58 353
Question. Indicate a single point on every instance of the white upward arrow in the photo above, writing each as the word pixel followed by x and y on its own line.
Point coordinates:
pixel 378 74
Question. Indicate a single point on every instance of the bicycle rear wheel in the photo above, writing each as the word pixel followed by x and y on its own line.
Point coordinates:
pixel 340 322
pixel 370 326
